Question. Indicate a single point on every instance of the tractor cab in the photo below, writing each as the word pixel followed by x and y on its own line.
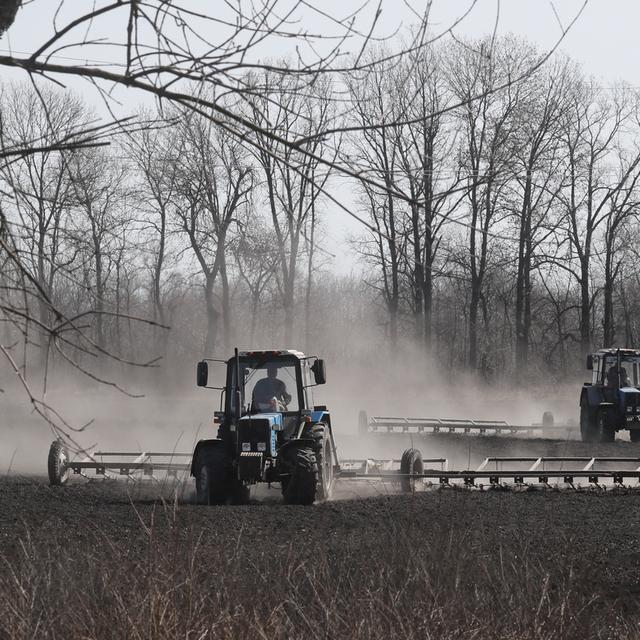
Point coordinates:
pixel 615 368
pixel 269 429
pixel 610 402
pixel 266 381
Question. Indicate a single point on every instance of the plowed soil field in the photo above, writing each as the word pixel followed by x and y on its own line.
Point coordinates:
pixel 107 559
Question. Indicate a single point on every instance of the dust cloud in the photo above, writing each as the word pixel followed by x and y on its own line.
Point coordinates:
pixel 174 414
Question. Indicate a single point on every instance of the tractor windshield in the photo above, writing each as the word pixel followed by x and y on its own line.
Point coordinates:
pixel 627 376
pixel 270 387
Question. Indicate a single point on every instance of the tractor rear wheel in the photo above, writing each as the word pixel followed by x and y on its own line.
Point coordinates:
pixel 588 426
pixel 604 433
pixel 634 435
pixel 240 492
pixel 302 484
pixel 214 476
pixel 57 463
pixel 324 459
pixel 411 462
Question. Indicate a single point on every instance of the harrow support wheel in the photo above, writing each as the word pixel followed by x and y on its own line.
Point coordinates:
pixel 302 485
pixel 411 462
pixel 324 460
pixel 57 463
pixel 214 477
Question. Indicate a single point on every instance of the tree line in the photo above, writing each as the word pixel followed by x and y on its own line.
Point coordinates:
pixel 499 217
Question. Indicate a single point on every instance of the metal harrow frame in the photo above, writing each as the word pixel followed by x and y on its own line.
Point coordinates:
pixel 492 470
pixel 131 464
pixel 425 426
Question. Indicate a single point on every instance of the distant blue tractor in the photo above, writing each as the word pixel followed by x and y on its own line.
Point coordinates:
pixel 269 430
pixel 611 401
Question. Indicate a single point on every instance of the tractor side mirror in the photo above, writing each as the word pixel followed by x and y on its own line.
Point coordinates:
pixel 590 362
pixel 202 374
pixel 319 371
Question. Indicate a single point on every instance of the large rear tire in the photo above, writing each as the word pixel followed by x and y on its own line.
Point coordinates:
pixel 302 484
pixel 604 432
pixel 240 493
pixel 588 426
pixel 57 463
pixel 214 476
pixel 411 462
pixel 324 459
pixel 634 435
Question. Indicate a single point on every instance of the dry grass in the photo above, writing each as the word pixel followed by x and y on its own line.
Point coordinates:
pixel 171 575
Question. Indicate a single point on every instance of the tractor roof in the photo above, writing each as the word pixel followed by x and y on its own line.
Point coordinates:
pixel 267 353
pixel 614 351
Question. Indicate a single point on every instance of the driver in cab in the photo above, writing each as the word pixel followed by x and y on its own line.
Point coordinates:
pixel 618 377
pixel 270 392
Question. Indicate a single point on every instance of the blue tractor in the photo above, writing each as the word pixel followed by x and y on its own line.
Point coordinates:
pixel 611 401
pixel 269 430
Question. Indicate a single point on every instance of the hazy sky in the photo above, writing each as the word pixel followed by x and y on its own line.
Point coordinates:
pixel 604 40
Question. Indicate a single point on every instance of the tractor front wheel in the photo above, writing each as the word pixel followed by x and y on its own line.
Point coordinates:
pixel 214 476
pixel 302 484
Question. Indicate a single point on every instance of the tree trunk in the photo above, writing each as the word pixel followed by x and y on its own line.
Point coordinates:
pixel 473 326
pixel 289 313
pixel 212 317
pixel 307 302
pixel 418 276
pixel 158 307
pixel 229 335
pixel 609 326
pixel 523 279
pixel 585 307
pixel 394 302
pixel 100 337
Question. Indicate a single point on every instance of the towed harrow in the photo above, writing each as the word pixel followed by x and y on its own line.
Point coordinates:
pixel 388 425
pixel 111 464
pixel 502 470
pixel 409 471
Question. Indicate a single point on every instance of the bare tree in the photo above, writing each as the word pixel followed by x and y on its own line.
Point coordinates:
pixel 623 208
pixel 98 185
pixel 478 68
pixel 426 160
pixel 293 183
pixel 375 96
pixel 215 181
pixel 590 133
pixel 40 185
pixel 537 168
pixel 256 258
pixel 155 155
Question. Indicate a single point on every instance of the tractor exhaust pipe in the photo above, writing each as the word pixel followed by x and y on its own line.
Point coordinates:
pixel 238 394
